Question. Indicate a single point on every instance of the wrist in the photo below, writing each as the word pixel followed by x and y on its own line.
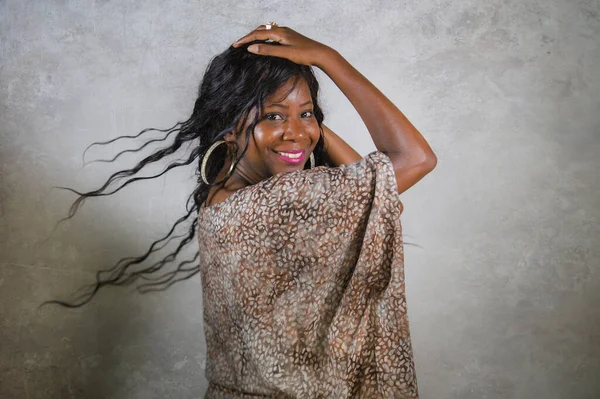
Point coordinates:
pixel 327 57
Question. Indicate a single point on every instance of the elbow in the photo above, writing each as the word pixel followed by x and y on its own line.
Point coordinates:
pixel 426 161
pixel 430 162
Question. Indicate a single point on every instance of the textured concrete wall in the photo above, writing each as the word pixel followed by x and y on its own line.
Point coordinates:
pixel 504 293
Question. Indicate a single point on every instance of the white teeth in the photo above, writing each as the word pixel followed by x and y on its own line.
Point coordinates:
pixel 298 155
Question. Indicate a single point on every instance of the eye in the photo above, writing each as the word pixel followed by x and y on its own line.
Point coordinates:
pixel 271 116
pixel 310 112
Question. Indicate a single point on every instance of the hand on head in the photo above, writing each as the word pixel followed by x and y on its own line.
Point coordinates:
pixel 292 45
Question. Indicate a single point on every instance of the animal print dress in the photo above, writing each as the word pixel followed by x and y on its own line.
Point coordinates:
pixel 303 287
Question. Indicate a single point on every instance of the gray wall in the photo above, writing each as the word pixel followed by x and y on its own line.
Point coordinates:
pixel 504 293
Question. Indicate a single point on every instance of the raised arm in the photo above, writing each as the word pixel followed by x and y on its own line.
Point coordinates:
pixel 338 151
pixel 392 132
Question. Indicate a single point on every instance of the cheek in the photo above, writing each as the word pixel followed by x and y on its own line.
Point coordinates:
pixel 261 141
pixel 316 133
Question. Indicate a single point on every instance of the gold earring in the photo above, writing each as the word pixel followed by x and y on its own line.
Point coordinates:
pixel 207 155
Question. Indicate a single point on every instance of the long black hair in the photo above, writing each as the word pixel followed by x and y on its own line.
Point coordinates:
pixel 235 82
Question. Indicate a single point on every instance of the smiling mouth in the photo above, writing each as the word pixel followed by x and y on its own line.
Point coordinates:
pixel 291 159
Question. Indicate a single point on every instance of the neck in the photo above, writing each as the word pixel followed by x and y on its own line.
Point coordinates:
pixel 236 181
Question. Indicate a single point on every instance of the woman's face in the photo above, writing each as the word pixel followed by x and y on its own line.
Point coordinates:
pixel 286 124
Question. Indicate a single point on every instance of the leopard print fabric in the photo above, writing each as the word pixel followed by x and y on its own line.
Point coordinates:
pixel 303 287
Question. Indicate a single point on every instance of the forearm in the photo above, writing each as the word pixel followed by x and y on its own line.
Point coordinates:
pixel 391 131
pixel 338 151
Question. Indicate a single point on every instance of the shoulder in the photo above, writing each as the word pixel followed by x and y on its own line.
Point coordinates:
pixel 360 178
pixel 369 168
pixel 374 166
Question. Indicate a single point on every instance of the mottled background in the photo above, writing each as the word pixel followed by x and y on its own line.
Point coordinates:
pixel 503 292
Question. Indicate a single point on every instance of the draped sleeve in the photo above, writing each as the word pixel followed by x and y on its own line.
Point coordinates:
pixel 303 286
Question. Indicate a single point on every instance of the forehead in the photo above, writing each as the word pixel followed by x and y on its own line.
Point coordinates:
pixel 287 93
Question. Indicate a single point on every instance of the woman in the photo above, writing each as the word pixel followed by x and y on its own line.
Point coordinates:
pixel 301 251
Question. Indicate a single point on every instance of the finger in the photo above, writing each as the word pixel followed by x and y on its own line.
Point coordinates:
pixel 243 38
pixel 238 41
pixel 259 34
pixel 268 49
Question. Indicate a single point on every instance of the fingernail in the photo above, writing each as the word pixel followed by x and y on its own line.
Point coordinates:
pixel 253 48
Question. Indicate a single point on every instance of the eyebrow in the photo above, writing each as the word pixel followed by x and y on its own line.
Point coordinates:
pixel 285 106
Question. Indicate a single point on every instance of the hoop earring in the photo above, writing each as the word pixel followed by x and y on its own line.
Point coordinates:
pixel 207 155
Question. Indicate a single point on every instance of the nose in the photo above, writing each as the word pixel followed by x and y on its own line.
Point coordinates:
pixel 295 129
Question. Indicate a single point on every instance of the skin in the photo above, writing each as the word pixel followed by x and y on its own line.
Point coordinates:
pixel 285 124
pixel 391 131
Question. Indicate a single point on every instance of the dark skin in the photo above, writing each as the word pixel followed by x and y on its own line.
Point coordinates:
pixel 285 124
pixel 295 127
